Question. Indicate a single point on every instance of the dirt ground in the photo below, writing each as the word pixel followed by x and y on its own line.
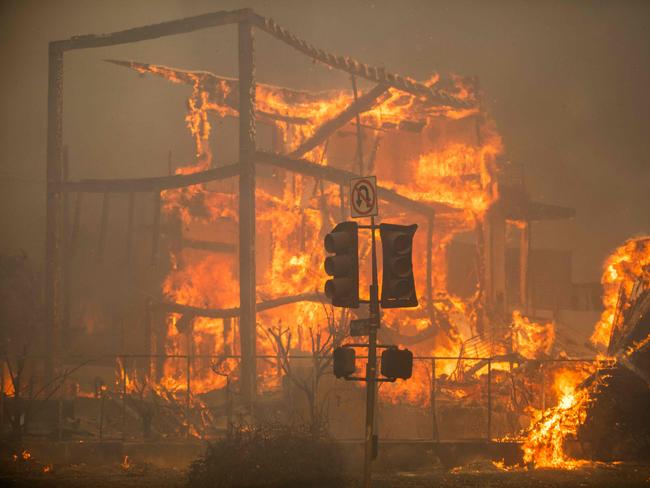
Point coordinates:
pixel 20 474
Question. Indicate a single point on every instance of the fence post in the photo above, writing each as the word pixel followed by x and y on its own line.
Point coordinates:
pixel 435 435
pixel 489 400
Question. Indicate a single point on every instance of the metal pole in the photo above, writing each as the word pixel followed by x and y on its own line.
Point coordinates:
pixel 435 435
pixel 489 400
pixel 429 244
pixel 54 221
pixel 371 368
pixel 155 236
pixel 359 129
pixel 129 226
pixel 188 392
pixel 247 285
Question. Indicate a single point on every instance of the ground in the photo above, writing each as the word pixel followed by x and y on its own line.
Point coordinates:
pixel 483 476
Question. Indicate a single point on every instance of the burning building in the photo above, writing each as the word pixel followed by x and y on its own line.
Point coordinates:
pixel 222 287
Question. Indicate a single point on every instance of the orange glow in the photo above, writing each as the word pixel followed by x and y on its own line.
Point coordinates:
pixel 431 154
pixel 625 272
pixel 530 339
pixel 626 266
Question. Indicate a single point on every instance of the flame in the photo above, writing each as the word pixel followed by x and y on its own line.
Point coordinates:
pixel 624 271
pixel 126 463
pixel 432 154
pixel 627 265
pixel 544 445
pixel 530 339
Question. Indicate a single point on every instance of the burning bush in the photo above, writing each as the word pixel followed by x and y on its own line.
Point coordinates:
pixel 271 455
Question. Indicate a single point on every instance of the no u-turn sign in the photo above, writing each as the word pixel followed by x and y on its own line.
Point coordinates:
pixel 363 197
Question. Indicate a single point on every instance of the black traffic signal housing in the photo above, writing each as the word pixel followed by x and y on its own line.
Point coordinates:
pixel 398 284
pixel 344 361
pixel 343 266
pixel 397 363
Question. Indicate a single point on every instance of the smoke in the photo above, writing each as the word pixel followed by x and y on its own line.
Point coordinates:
pixel 565 81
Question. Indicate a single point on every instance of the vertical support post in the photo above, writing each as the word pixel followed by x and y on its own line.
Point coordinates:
pixel 76 222
pixel 2 395
pixel 543 372
pixel 65 244
pixel 359 128
pixel 155 236
pixel 188 394
pixel 429 290
pixel 524 257
pixel 103 227
pixel 371 367
pixel 489 400
pixel 148 367
pixel 129 226
pixel 102 397
pixel 123 363
pixel 247 285
pixel 344 213
pixel 54 221
pixel 435 435
pixel 229 426
pixel 188 372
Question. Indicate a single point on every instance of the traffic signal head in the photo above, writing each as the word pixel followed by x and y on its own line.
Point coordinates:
pixel 397 363
pixel 398 285
pixel 343 266
pixel 343 360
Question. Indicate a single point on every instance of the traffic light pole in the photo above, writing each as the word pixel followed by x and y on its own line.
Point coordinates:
pixel 371 368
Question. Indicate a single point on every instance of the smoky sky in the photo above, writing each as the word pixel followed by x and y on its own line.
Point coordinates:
pixel 566 82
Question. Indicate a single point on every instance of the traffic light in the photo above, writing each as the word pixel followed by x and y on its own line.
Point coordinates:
pixel 343 242
pixel 343 360
pixel 398 285
pixel 397 363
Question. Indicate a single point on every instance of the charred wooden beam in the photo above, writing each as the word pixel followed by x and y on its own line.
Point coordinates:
pixel 154 31
pixel 342 177
pixel 223 247
pixel 354 67
pixel 360 105
pixel 247 284
pixel 225 313
pixel 215 84
pixel 156 183
pixel 524 258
